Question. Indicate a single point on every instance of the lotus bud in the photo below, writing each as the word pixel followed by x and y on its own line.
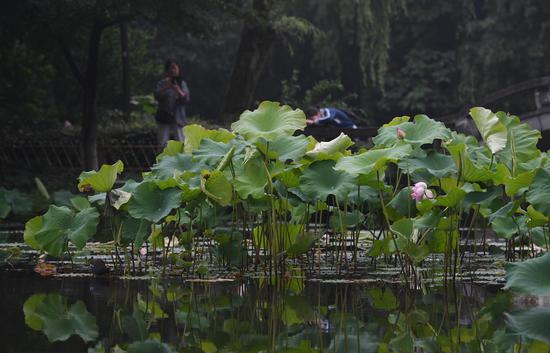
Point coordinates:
pixel 420 191
pixel 401 134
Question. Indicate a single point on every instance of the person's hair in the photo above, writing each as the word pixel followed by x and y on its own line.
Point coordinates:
pixel 169 62
pixel 311 111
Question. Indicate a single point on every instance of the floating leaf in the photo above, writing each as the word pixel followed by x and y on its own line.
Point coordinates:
pixel 270 121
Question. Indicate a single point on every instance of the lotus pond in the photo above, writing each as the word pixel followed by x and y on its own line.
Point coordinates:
pixel 260 239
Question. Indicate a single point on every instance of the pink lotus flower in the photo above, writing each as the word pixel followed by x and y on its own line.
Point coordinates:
pixel 401 134
pixel 420 191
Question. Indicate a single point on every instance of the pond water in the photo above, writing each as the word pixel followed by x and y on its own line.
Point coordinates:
pixel 94 314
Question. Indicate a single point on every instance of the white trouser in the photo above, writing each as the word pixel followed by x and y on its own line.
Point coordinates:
pixel 165 130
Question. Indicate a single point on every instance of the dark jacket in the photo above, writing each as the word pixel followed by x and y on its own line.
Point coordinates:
pixel 171 109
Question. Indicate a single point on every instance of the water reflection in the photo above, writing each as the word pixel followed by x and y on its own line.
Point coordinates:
pixel 263 315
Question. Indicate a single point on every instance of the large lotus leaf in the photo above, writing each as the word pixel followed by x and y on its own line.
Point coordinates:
pixel 216 186
pixel 285 147
pixel 321 179
pixel 532 323
pixel 522 141
pixel 539 192
pixel 29 309
pixel 303 242
pixel 211 152
pixel 537 219
pixel 424 130
pixel 382 298
pixel 59 321
pixel 172 148
pixel 332 149
pixel 102 180
pixel 151 203
pixel 373 160
pixel 471 171
pixel 404 227
pixel 195 133
pixel 250 179
pixel 134 230
pixel 530 276
pixel 174 166
pixel 32 227
pixel 453 197
pixel 344 220
pixel 61 224
pixel 436 164
pixel 513 184
pixel 270 121
pixel 493 132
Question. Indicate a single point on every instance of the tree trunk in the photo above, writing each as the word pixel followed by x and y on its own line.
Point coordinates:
pixel 257 38
pixel 89 116
pixel 125 68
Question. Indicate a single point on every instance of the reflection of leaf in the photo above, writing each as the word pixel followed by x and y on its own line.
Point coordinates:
pixel 531 323
pixel 149 346
pixel 57 320
pixel 530 276
pixel 382 298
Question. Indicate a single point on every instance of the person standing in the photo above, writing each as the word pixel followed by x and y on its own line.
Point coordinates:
pixel 172 95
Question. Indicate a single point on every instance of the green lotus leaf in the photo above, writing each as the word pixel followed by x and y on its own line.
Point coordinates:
pixel 530 276
pixel 303 242
pixel 513 185
pixel 102 180
pixel 373 160
pixel 216 186
pixel 270 121
pixel 211 152
pixel 61 224
pixel 453 197
pixel 321 179
pixel 404 227
pixel 345 220
pixel 332 149
pixel 134 231
pixel 493 132
pixel 285 147
pixel 537 219
pixel 539 191
pixel 151 203
pixel 195 133
pixel 250 179
pixel 472 170
pixel 436 164
pixel 175 166
pixel 59 321
pixel 119 198
pixel 521 145
pixel 32 227
pixel 532 324
pixel 424 130
pixel 173 148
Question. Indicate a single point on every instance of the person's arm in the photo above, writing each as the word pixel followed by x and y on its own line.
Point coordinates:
pixel 183 92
